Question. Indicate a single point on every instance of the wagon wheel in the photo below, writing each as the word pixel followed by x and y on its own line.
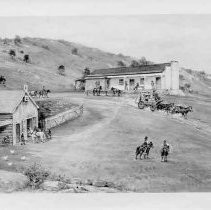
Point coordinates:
pixel 141 105
pixel 152 108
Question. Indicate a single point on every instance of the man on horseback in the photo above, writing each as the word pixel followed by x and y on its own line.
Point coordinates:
pixel 165 151
pixel 145 142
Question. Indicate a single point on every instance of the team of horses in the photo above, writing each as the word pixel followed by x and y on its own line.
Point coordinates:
pixel 174 108
pixel 98 91
pixel 42 93
pixel 144 151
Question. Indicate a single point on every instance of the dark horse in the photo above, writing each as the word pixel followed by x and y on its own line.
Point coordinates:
pixel 116 91
pixel 2 80
pixel 44 93
pixel 97 91
pixel 144 150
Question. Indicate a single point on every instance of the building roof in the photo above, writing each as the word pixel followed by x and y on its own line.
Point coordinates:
pixel 9 100
pixel 143 69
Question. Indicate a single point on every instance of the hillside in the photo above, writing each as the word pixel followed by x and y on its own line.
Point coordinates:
pixel 46 55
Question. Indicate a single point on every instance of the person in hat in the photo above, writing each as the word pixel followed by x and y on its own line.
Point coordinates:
pixel 145 142
pixel 165 151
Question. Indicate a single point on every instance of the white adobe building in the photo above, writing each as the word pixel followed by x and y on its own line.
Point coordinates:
pixel 163 76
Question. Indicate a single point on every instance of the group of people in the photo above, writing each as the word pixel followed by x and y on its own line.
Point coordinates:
pixel 37 135
pixel 145 147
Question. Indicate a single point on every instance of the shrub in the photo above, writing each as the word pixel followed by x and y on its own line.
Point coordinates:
pixel 75 51
pixel 181 77
pixel 17 40
pixel 12 53
pixel 134 63
pixel 36 175
pixel 26 58
pixel 22 52
pixel 61 70
pixel 121 64
pixel 45 47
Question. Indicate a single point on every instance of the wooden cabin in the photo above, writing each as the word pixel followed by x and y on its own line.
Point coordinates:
pixel 18 113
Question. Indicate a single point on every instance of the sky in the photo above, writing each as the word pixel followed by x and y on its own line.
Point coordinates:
pixel 134 28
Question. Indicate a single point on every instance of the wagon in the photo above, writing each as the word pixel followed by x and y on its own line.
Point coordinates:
pixel 147 100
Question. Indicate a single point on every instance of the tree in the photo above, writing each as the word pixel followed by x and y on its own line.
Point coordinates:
pixel 143 61
pixel 61 70
pixel 75 51
pixel 12 53
pixel 17 40
pixel 26 58
pixel 134 63
pixel 86 72
pixel 121 64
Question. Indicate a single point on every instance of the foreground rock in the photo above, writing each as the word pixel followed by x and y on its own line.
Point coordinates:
pixel 12 181
pixel 77 187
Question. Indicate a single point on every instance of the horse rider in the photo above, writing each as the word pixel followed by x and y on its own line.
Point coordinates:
pixel 165 150
pixel 146 142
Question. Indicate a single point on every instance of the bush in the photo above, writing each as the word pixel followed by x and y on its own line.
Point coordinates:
pixel 45 47
pixel 61 70
pixel 26 58
pixel 181 77
pixel 17 40
pixel 36 175
pixel 12 53
pixel 121 64
pixel 75 51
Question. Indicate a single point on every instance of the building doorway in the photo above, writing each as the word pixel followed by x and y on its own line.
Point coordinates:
pixel 158 83
pixel 107 83
pixel 18 133
pixel 29 123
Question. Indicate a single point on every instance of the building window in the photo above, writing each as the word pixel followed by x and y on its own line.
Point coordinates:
pixel 142 81
pixel 132 82
pixel 121 81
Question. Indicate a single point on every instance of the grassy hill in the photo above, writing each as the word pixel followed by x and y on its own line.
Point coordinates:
pixel 46 55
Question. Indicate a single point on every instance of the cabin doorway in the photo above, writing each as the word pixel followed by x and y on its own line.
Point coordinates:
pixel 158 83
pixel 18 133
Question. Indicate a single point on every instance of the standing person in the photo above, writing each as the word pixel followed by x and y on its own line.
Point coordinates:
pixel 165 151
pixel 23 142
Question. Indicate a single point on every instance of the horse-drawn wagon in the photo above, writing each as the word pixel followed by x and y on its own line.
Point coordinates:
pixel 148 99
pixel 154 102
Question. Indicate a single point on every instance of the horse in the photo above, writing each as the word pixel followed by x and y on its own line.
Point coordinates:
pixel 140 150
pixel 97 91
pixel 44 93
pixel 116 91
pixel 2 80
pixel 182 110
pixel 33 93
pixel 164 153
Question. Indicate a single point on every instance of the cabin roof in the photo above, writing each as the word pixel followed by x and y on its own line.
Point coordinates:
pixel 143 69
pixel 9 100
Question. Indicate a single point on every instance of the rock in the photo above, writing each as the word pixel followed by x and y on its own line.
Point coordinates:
pixel 100 183
pixel 76 181
pixel 50 185
pixel 12 181
pixel 110 184
pixel 88 182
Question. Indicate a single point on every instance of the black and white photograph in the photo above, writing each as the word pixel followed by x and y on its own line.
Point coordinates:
pixel 105 97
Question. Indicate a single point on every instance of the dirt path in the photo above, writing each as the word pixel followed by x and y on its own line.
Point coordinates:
pixel 101 145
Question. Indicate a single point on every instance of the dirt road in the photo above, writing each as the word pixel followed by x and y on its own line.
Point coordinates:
pixel 102 143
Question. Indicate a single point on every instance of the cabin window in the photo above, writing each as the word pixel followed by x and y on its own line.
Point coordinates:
pixel 121 81
pixel 132 82
pixel 142 81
